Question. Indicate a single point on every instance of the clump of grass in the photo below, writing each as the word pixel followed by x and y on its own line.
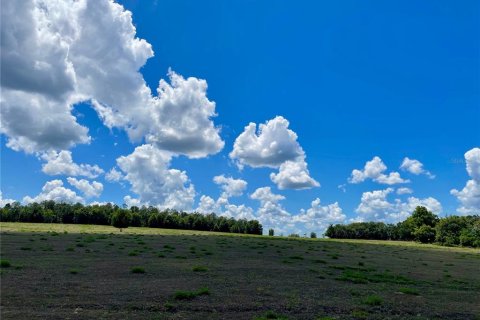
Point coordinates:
pixel 360 314
pixel 73 271
pixel 373 300
pixel 271 315
pixel 180 257
pixel 26 248
pixel 411 291
pixel 189 295
pixel 169 307
pixel 208 253
pixel 168 247
pixel 199 269
pixel 80 245
pixel 296 257
pixel 161 255
pixel 137 270
pixel 5 264
pixel 70 249
pixel 133 253
pixel 361 264
pixel 320 261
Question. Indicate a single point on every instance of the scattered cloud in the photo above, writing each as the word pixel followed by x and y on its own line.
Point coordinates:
pixel 148 171
pixel 61 163
pixel 404 191
pixel 231 187
pixel 274 146
pixel 469 196
pixel 374 169
pixel 114 175
pixel 415 167
pixel 54 190
pixel 375 206
pixel 89 189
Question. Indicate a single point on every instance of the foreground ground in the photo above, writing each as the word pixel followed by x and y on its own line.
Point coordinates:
pixel 85 272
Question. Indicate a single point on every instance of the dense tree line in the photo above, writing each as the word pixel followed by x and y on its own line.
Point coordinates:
pixel 108 214
pixel 422 226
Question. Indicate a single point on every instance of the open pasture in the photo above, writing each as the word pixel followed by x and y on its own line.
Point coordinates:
pixel 59 271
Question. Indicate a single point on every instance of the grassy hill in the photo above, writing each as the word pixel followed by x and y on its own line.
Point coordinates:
pixel 60 271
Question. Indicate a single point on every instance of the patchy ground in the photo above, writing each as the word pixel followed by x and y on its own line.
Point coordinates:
pixel 85 272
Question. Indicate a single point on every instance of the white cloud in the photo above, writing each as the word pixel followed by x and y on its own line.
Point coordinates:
pixel 404 191
pixel 114 175
pixel 238 212
pixel 469 196
pixel 54 190
pixel 89 189
pixel 294 175
pixel 270 212
pixel 3 201
pixel 58 163
pixel 374 169
pixel 147 170
pixel 56 54
pixel 415 167
pixel 231 187
pixel 207 205
pixel 318 217
pixel 375 206
pixel 274 146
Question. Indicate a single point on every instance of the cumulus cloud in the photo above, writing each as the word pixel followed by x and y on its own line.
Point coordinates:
pixel 54 190
pixel 270 212
pixel 56 54
pixel 469 196
pixel 404 191
pixel 294 175
pixel 274 145
pixel 231 187
pixel 207 205
pixel 147 170
pixel 3 201
pixel 114 175
pixel 374 169
pixel 375 206
pixel 89 189
pixel 415 167
pixel 319 217
pixel 58 163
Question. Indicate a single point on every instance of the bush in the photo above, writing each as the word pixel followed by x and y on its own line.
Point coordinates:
pixel 121 219
pixel 424 234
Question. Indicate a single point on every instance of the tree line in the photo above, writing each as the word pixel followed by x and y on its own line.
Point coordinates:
pixel 108 214
pixel 422 226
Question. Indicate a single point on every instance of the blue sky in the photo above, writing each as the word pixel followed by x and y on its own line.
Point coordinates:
pixel 354 79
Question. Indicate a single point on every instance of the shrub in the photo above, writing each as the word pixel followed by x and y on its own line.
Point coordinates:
pixel 137 270
pixel 5 263
pixel 121 219
pixel 373 300
pixel 424 234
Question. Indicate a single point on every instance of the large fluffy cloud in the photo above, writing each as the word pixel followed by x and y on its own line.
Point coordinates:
pixel 59 53
pixel 469 196
pixel 147 170
pixel 318 217
pixel 54 190
pixel 274 146
pixel 231 187
pixel 375 206
pixel 415 167
pixel 374 169
pixel 58 163
pixel 89 189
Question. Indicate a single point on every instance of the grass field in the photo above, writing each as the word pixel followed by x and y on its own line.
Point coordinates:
pixel 59 271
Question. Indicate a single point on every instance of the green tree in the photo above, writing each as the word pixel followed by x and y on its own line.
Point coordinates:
pixel 121 219
pixel 424 234
pixel 313 235
pixel 271 232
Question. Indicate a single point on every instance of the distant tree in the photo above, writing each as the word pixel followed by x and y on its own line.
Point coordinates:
pixel 424 234
pixel 271 232
pixel 313 235
pixel 121 219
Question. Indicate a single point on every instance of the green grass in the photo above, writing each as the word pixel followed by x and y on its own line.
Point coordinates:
pixel 271 315
pixel 73 271
pixel 199 269
pixel 5 263
pixel 411 291
pixel 137 270
pixel 189 295
pixel 373 300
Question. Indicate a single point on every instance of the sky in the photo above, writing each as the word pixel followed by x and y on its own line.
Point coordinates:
pixel 296 113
